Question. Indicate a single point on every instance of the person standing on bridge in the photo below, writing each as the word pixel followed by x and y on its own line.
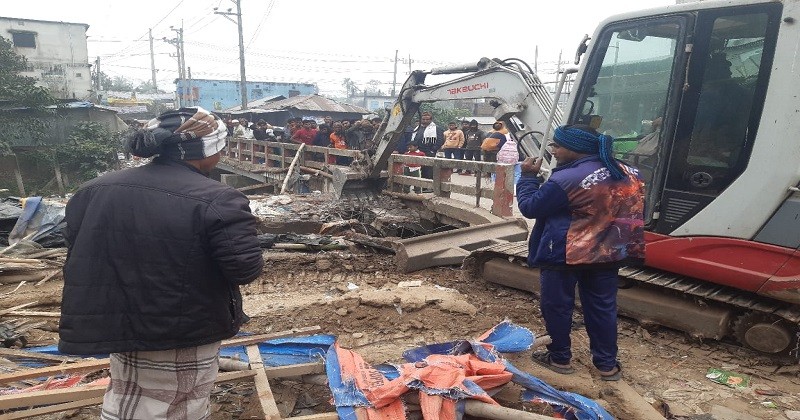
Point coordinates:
pixel 429 138
pixel 589 221
pixel 155 258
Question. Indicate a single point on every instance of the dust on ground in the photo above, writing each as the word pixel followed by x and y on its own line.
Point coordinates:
pixel 360 297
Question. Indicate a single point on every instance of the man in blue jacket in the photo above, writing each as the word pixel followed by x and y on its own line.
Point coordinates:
pixel 589 221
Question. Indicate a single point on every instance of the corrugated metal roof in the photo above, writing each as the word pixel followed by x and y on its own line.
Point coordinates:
pixel 314 103
pixel 258 103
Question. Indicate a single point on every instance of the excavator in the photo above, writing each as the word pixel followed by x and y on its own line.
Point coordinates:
pixel 703 99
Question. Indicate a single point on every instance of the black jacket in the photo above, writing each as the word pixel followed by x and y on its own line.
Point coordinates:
pixel 428 145
pixel 156 257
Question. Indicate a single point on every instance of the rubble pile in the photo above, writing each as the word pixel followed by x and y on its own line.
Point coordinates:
pixel 376 216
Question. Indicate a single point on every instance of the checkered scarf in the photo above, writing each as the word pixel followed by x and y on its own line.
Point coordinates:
pixel 185 134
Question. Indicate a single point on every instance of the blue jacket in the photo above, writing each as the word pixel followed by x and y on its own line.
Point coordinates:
pixel 583 216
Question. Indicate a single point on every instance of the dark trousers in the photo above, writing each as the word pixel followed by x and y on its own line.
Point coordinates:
pixel 598 293
pixel 427 171
pixel 472 155
pixel 453 153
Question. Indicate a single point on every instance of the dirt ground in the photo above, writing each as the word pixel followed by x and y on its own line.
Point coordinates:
pixel 354 294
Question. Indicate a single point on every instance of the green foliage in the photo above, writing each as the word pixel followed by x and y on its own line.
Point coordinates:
pixel 17 91
pixel 118 83
pixel 443 116
pixel 90 150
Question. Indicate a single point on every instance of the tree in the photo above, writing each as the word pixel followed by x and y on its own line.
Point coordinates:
pixel 90 150
pixel 118 83
pixel 373 88
pixel 17 91
pixel 442 116
pixel 350 86
pixel 147 87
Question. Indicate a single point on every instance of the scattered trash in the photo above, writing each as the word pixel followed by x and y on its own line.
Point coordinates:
pixel 352 286
pixel 769 404
pixel 731 379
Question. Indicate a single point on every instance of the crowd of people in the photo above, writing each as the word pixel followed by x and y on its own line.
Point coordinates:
pixel 426 138
pixel 340 134
pixel 467 142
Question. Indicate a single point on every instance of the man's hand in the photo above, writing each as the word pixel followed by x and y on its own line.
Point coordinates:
pixel 531 165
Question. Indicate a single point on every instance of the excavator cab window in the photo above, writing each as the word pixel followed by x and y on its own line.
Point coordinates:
pixel 720 110
pixel 723 104
pixel 628 82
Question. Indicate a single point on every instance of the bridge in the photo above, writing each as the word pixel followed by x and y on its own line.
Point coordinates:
pixel 259 166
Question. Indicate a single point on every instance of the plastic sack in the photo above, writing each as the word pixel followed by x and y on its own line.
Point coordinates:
pixel 41 222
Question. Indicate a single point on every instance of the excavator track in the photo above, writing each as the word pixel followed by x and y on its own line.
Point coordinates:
pixel 713 292
pixel 742 306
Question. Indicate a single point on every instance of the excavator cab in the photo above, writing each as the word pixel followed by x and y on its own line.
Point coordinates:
pixel 682 95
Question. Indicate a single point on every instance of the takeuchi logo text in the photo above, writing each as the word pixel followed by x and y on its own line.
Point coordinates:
pixel 468 88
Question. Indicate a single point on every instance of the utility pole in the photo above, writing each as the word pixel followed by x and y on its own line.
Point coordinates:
pixel 191 92
pixel 394 78
pixel 178 43
pixel 409 63
pixel 152 61
pixel 98 80
pixel 97 74
pixel 238 22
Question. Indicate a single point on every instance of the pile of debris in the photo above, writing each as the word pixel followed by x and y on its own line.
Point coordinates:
pixel 437 380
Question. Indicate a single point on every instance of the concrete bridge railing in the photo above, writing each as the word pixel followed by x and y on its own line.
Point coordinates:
pixel 500 191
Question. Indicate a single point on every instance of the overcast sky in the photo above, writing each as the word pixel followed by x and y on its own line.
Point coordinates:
pixel 324 42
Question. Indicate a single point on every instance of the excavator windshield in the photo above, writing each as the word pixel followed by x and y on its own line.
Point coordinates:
pixel 627 85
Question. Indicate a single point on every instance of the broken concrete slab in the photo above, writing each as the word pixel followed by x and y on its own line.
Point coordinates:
pixel 451 247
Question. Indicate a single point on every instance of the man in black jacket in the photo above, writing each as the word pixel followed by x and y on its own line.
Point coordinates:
pixel 156 257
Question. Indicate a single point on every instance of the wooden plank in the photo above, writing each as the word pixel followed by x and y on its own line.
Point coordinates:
pixel 265 398
pixel 14 308
pixel 92 365
pixel 36 314
pixel 50 409
pixel 33 355
pixel 86 366
pixel 294 370
pixel 51 396
pixel 291 168
pixel 251 187
pixel 258 338
pixel 77 395
pixel 234 376
pixel 20 260
pixel 48 277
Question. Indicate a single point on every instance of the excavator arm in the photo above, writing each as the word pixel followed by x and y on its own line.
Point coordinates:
pixel 518 96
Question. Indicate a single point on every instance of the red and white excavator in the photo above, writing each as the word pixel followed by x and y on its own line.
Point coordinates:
pixel 704 99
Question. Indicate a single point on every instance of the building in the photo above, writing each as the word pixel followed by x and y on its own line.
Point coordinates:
pixel 373 102
pixel 218 95
pixel 57 54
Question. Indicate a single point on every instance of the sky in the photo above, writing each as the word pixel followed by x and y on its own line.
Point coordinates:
pixel 324 42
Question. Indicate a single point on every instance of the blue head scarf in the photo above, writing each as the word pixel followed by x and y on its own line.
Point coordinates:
pixel 582 141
